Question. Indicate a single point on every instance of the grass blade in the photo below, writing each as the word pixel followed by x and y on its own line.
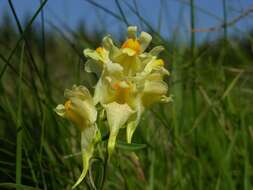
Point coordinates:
pixel 19 123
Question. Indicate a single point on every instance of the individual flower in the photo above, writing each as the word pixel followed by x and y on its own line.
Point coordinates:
pixel 80 109
pixel 98 58
pixel 150 88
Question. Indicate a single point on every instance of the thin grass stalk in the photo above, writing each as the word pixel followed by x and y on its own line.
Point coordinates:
pixel 193 44
pixel 42 138
pixel 193 48
pixel 177 116
pixel 44 59
pixel 108 11
pixel 43 40
pixel 21 31
pixel 32 169
pixel 32 65
pixel 246 178
pixel 21 38
pixel 193 88
pixel 19 123
pixel 225 32
pixel 192 12
pixel 122 13
pixel 61 33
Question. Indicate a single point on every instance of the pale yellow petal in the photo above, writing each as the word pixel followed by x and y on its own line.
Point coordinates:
pixel 157 65
pixel 92 54
pixel 134 120
pixel 60 110
pixel 144 40
pixel 131 32
pixel 153 92
pixel 108 44
pixel 102 92
pixel 129 51
pixel 80 92
pixel 156 51
pixel 113 69
pixel 92 66
pixel 117 116
pixel 85 110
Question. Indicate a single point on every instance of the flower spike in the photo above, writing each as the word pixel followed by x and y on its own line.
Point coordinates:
pixel 129 81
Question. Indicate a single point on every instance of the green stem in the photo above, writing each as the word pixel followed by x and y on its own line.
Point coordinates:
pixel 105 169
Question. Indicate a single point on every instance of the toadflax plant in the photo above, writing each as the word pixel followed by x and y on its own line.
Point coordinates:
pixel 130 80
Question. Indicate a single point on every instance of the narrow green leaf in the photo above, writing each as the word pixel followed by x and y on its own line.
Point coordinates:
pixel 131 147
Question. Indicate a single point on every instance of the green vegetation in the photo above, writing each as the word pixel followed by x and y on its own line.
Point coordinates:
pixel 202 140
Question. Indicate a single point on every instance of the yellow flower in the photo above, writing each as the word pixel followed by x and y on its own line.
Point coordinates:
pixel 80 109
pixel 97 59
pixel 130 81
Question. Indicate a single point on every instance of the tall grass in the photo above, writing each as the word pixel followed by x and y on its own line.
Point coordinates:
pixel 202 140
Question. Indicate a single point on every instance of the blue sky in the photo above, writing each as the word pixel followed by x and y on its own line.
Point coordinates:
pixel 174 14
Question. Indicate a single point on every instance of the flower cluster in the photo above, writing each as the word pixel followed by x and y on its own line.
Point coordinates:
pixel 130 80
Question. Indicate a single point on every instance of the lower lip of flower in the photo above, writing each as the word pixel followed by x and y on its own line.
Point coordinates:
pixel 100 50
pixel 67 105
pixel 132 44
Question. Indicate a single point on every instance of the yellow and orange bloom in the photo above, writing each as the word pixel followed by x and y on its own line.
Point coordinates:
pixel 130 80
pixel 80 109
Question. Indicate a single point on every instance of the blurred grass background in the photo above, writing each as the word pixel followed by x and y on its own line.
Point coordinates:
pixel 202 140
